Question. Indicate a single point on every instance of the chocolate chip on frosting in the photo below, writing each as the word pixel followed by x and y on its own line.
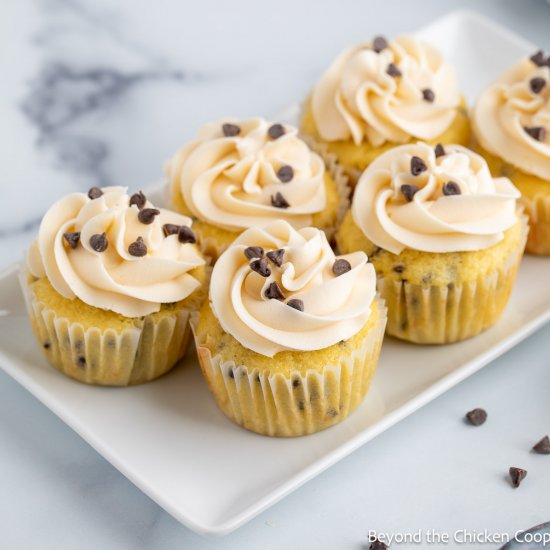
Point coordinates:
pixel 417 166
pixel 273 292
pixel 379 43
pixel 72 238
pixel 252 252
pixel 230 130
pixel 428 95
pixel 99 242
pixel 538 59
pixel 138 248
pixel 340 267
pixel 285 173
pixel 139 199
pixel 296 303
pixel 260 267
pixel 536 132
pixel 543 446
pixel 276 256
pixel 439 151
pixel 517 475
pixel 278 201
pixel 537 84
pixel 186 235
pixel 95 193
pixel 451 188
pixel 393 70
pixel 147 215
pixel 409 191
pixel 170 229
pixel 276 130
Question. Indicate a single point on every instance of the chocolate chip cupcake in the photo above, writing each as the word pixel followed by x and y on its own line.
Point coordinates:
pixel 109 285
pixel 511 125
pixel 445 238
pixel 240 173
pixel 290 338
pixel 380 94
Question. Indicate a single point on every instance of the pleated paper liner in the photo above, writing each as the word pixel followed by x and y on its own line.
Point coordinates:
pixel 538 210
pixel 294 405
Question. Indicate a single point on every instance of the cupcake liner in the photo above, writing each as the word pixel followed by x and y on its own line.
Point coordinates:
pixel 442 315
pixel 294 405
pixel 131 356
pixel 538 210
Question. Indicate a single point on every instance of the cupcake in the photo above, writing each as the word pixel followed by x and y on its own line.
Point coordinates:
pixel 380 94
pixel 444 236
pixel 242 173
pixel 511 125
pixel 290 338
pixel 110 283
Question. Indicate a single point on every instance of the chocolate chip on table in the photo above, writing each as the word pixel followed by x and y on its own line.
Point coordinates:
pixel 393 70
pixel 296 303
pixel 536 132
pixel 399 268
pixel 186 235
pixel 278 201
pixel 537 84
pixel 340 267
pixel 252 252
pixel 139 199
pixel 276 256
pixel 260 267
pixel 543 446
pixel 95 193
pixel 72 238
pixel 147 215
pixel 476 417
pixel 276 130
pixel 138 248
pixel 517 475
pixel 285 173
pixel 439 151
pixel 378 545
pixel 273 292
pixel 538 59
pixel 99 243
pixel 428 95
pixel 409 191
pixel 451 188
pixel 231 130
pixel 417 166
pixel 379 43
pixel 170 229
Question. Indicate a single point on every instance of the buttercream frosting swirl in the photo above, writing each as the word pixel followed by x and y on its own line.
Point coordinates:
pixel 404 90
pixel 518 100
pixel 334 307
pixel 235 179
pixel 113 278
pixel 452 204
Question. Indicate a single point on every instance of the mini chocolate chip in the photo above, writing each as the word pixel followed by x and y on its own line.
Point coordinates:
pixel 379 43
pixel 138 248
pixel 273 292
pixel 231 130
pixel 252 252
pixel 260 267
pixel 47 345
pixel 399 268
pixel 439 150
pixel 409 191
pixel 99 243
pixel 543 446
pixel 147 215
pixel 276 256
pixel 95 193
pixel 186 235
pixel 72 238
pixel 476 417
pixel 517 475
pixel 417 166
pixel 378 545
pixel 81 361
pixel 285 173
pixel 537 84
pixel 139 199
pixel 393 70
pixel 536 132
pixel 296 383
pixel 451 188
pixel 275 131
pixel 170 229
pixel 296 303
pixel 340 267
pixel 279 201
pixel 538 59
pixel 428 95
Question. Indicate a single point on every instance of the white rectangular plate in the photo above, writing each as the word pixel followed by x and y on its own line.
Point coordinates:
pixel 169 438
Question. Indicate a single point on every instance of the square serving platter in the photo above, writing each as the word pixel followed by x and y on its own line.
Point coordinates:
pixel 169 438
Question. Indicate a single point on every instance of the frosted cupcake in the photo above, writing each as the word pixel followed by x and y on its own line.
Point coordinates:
pixel 511 124
pixel 444 236
pixel 110 283
pixel 241 173
pixel 380 94
pixel 290 339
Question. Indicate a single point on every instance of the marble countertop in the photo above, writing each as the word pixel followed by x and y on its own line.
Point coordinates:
pixel 102 92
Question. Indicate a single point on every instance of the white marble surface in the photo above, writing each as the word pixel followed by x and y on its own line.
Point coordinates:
pixel 97 92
